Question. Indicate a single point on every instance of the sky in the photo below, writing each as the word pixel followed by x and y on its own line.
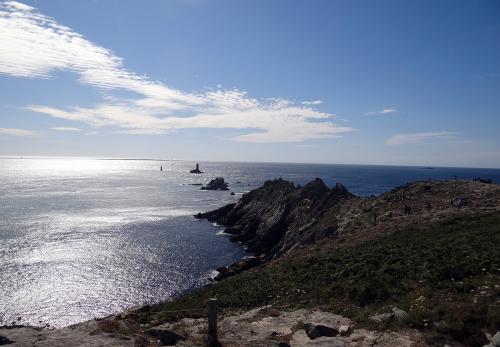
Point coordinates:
pixel 384 82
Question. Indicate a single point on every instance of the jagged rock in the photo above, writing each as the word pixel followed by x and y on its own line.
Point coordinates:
pixel 216 184
pixel 166 337
pixel 236 268
pixel 279 216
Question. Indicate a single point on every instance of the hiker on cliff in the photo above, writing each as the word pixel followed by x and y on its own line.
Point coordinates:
pixel 407 210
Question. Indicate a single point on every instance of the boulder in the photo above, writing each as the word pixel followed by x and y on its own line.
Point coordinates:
pixel 399 314
pixel 383 317
pixel 314 331
pixel 166 337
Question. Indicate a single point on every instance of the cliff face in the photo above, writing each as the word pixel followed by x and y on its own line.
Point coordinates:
pixel 279 216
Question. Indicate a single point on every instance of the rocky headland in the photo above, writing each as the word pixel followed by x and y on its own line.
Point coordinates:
pixel 280 217
pixel 416 266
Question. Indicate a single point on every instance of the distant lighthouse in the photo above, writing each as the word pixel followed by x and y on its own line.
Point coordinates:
pixel 197 170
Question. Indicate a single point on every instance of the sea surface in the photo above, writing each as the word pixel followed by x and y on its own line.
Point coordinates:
pixel 84 238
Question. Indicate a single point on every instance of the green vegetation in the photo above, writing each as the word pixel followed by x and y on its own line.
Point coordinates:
pixel 447 277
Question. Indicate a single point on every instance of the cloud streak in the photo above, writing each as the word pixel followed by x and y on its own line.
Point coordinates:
pixel 17 132
pixel 67 129
pixel 313 102
pixel 386 110
pixel 404 139
pixel 36 46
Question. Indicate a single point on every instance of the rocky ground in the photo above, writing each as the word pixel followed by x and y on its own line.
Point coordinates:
pixel 268 326
pixel 264 327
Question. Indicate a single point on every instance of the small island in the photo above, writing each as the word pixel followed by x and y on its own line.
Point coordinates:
pixel 196 170
pixel 216 184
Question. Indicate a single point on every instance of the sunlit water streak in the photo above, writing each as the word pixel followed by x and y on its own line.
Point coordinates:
pixel 81 238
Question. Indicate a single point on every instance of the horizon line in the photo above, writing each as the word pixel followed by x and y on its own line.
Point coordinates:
pixel 23 157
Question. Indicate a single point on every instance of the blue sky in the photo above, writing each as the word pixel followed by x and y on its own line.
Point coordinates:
pixel 374 82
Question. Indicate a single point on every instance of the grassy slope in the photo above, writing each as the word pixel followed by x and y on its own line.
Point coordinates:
pixel 447 277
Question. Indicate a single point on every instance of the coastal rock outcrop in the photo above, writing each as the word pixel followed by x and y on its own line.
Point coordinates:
pixel 216 184
pixel 240 266
pixel 279 216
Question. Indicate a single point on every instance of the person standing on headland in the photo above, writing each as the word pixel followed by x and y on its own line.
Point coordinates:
pixel 407 210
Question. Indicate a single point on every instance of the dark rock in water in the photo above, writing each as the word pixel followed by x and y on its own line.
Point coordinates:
pixel 196 170
pixel 166 337
pixel 216 184
pixel 232 193
pixel 5 341
pixel 236 268
pixel 279 216
pixel 314 331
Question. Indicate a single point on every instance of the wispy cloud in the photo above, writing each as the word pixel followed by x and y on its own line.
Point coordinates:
pixel 386 110
pixel 36 46
pixel 68 129
pixel 313 102
pixel 17 132
pixel 403 139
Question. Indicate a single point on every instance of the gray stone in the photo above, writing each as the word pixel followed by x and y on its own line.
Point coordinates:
pixel 495 341
pixel 344 330
pixel 383 317
pixel 399 314
pixel 314 331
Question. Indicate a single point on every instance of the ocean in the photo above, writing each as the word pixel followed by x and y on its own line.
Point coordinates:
pixel 83 238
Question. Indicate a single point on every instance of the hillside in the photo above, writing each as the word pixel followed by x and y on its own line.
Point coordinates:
pixel 361 256
pixel 445 276
pixel 280 217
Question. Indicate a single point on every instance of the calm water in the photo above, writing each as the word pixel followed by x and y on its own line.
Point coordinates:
pixel 81 238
